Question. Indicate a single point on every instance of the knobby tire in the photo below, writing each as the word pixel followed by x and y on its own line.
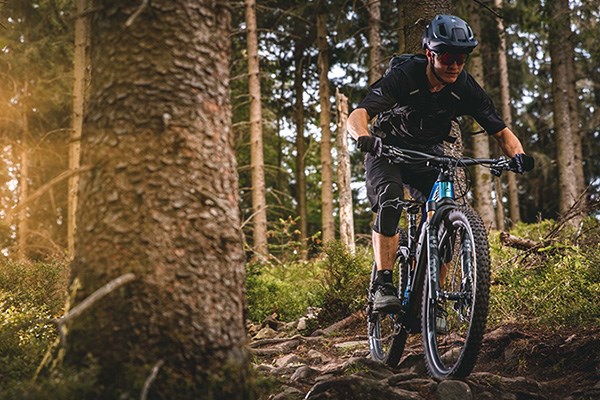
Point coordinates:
pixel 447 354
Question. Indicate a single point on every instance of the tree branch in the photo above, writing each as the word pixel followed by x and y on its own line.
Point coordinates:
pixel 137 12
pixel 496 13
pixel 151 378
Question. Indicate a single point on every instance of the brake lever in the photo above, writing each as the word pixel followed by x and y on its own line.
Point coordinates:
pixel 496 171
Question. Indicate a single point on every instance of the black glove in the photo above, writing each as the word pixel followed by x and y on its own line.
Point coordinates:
pixel 369 144
pixel 523 163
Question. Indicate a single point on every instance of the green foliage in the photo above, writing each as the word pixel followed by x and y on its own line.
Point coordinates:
pixel 30 296
pixel 287 290
pixel 337 283
pixel 345 282
pixel 558 285
pixel 64 384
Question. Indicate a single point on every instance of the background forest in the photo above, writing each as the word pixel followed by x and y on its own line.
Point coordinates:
pixel 296 68
pixel 37 112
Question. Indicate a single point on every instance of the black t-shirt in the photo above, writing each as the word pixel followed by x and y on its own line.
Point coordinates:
pixel 409 115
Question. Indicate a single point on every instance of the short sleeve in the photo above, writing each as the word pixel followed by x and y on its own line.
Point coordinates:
pixel 482 108
pixel 385 93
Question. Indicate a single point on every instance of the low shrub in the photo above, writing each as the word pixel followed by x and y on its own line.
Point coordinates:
pixel 343 288
pixel 30 296
pixel 557 285
pixel 336 283
pixel 286 290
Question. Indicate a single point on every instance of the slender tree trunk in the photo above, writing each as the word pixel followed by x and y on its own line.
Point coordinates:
pixel 375 67
pixel 23 218
pixel 481 142
pixel 79 67
pixel 513 191
pixel 401 4
pixel 343 173
pixel 259 204
pixel 300 147
pixel 500 217
pixel 558 35
pixel 418 14
pixel 328 221
pixel 161 203
pixel 574 117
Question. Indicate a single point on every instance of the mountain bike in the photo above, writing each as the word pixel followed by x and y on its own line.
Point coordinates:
pixel 443 267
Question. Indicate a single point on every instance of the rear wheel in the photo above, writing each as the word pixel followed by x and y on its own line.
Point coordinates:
pixel 453 321
pixel 387 336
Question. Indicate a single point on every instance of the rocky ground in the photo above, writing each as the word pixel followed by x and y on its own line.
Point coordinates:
pixel 514 364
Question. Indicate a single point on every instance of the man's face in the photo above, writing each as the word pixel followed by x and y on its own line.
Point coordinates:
pixel 447 65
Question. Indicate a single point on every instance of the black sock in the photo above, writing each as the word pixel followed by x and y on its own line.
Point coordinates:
pixel 384 276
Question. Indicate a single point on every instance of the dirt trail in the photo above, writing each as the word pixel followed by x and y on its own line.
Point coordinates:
pixel 514 364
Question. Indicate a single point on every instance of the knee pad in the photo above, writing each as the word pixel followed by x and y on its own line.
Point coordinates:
pixel 389 204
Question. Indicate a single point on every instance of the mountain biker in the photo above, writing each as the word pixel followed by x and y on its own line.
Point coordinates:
pixel 415 103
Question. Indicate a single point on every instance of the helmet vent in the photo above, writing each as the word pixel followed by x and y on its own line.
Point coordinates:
pixel 443 31
pixel 459 34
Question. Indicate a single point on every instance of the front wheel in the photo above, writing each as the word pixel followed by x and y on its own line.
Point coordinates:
pixel 454 320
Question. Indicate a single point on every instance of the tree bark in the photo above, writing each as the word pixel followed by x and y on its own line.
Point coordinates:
pixel 481 142
pixel 259 204
pixel 327 219
pixel 500 217
pixel 161 202
pixel 343 174
pixel 80 64
pixel 513 191
pixel 300 147
pixel 418 15
pixel 574 117
pixel 375 67
pixel 558 35
pixel 401 5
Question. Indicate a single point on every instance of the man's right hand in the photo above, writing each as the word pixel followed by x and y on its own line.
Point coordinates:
pixel 369 144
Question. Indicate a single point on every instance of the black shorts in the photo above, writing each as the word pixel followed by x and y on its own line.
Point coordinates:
pixel 380 172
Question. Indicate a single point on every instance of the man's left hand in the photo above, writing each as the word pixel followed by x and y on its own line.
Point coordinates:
pixel 523 163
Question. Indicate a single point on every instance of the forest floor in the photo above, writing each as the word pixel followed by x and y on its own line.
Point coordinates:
pixel 514 363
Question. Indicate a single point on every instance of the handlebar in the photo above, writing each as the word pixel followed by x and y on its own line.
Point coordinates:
pixel 399 156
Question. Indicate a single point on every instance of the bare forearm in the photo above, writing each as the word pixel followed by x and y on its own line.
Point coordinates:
pixel 509 143
pixel 358 123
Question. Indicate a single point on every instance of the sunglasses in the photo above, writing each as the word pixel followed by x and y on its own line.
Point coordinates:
pixel 451 58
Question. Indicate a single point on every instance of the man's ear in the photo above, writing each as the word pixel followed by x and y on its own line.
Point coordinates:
pixel 429 55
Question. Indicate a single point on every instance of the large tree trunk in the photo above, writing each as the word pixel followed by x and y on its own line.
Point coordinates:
pixel 418 14
pixel 328 220
pixel 558 35
pixel 481 142
pixel 259 204
pixel 161 202
pixel 79 67
pixel 513 190
pixel 343 173
pixel 375 66
pixel 300 147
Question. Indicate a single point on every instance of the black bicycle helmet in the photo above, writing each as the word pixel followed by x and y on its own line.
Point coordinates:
pixel 449 33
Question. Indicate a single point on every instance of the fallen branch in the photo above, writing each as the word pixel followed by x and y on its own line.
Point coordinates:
pixel 517 242
pixel 338 326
